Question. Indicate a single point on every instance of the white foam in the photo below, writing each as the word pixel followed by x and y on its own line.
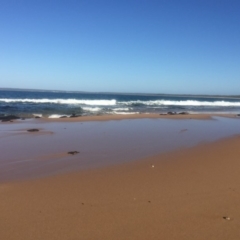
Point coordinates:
pixel 113 102
pixel 57 116
pixel 63 101
pixel 37 114
pixel 125 113
pixel 184 103
pixel 121 109
pixel 92 109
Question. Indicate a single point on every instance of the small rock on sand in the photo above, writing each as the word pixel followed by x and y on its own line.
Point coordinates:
pixel 171 113
pixel 33 130
pixel 75 115
pixel 73 152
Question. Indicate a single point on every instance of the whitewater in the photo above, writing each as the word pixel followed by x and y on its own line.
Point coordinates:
pixel 56 104
pixel 114 102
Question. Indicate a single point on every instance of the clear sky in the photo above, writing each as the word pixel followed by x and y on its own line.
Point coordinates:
pixel 162 46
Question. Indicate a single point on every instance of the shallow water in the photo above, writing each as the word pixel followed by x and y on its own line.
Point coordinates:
pixel 30 155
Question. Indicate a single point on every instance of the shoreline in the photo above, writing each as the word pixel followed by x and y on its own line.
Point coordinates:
pixel 194 191
pixel 99 118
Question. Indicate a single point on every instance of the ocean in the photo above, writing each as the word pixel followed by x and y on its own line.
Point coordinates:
pixel 54 104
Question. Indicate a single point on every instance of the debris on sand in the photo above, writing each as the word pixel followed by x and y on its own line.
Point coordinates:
pixel 33 130
pixel 73 152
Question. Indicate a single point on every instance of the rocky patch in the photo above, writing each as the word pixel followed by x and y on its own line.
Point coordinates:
pixel 8 118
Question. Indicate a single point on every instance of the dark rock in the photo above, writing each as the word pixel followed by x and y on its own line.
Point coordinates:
pixel 238 115
pixel 162 114
pixel 37 117
pixel 63 117
pixel 73 152
pixel 8 118
pixel 171 113
pixel 74 115
pixel 33 130
pixel 183 113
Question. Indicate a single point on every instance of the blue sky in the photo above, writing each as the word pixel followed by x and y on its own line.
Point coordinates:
pixel 168 46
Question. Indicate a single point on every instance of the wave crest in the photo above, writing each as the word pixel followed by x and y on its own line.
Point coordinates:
pixel 63 101
pixel 182 103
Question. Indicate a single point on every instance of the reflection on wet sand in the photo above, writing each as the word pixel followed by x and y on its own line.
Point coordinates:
pixel 40 153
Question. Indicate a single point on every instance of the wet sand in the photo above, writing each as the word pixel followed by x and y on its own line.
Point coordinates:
pixel 42 153
pixel 190 192
pixel 136 116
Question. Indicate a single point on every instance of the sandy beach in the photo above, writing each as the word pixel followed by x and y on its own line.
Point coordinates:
pixel 119 120
pixel 188 192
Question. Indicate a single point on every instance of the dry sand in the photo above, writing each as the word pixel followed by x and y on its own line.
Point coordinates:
pixel 186 194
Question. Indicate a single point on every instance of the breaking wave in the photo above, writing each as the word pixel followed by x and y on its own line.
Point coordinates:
pixel 62 101
pixel 136 103
pixel 58 115
pixel 92 109
pixel 182 103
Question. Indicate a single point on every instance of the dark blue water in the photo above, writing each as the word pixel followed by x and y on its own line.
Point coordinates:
pixel 55 104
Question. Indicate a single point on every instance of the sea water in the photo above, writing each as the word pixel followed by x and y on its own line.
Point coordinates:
pixel 55 104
